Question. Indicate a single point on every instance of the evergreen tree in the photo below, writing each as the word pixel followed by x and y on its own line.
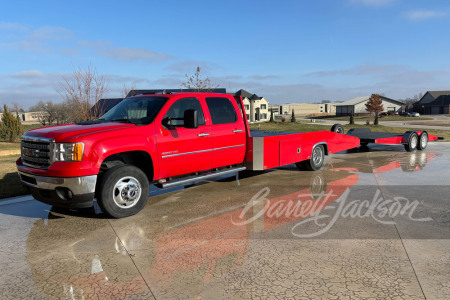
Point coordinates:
pixel 271 117
pixel 352 119
pixel 293 117
pixel 375 122
pixel 10 128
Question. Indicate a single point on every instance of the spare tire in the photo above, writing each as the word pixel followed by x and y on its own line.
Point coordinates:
pixel 338 128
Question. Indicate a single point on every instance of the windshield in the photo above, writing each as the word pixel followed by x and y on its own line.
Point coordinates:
pixel 136 110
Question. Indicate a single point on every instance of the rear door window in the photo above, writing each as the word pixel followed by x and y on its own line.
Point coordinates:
pixel 221 110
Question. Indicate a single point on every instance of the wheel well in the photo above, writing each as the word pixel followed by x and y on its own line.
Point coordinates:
pixel 325 147
pixel 139 159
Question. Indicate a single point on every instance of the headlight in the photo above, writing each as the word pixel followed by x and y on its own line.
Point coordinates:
pixel 68 151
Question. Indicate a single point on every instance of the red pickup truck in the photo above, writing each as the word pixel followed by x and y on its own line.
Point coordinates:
pixel 162 139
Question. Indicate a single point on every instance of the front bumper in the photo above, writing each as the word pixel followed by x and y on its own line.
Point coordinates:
pixel 69 192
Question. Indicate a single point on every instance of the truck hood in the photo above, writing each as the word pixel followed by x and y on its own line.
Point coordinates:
pixel 70 132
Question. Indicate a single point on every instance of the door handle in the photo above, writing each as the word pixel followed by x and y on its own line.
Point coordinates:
pixel 237 130
pixel 203 134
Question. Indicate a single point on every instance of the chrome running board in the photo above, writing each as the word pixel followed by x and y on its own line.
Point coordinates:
pixel 201 177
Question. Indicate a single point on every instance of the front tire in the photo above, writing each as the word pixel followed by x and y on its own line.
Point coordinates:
pixel 123 191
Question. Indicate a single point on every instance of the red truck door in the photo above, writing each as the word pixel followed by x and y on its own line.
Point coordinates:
pixel 227 130
pixel 183 150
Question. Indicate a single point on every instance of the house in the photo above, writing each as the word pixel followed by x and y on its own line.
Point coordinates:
pixel 358 106
pixel 433 102
pixel 256 108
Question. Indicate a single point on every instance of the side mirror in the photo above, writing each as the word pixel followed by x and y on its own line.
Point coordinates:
pixel 166 122
pixel 191 118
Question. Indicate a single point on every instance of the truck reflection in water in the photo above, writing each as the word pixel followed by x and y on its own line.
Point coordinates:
pixel 181 258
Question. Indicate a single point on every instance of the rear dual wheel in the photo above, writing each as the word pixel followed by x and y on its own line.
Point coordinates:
pixel 316 160
pixel 423 141
pixel 413 140
pixel 416 142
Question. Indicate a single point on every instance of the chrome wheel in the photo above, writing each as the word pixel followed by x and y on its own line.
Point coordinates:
pixel 423 141
pixel 414 141
pixel 126 192
pixel 317 156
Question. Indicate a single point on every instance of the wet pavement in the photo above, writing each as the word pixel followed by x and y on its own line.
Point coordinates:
pixel 374 223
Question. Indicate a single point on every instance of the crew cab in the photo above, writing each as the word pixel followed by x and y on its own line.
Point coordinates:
pixel 164 139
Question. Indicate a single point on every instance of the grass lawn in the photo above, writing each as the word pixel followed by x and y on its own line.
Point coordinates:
pixel 364 118
pixel 9 146
pixel 10 184
pixel 306 127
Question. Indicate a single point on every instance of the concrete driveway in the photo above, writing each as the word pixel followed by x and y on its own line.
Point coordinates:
pixel 372 224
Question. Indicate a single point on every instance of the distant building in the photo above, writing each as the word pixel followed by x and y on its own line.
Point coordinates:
pixel 256 108
pixel 358 106
pixel 33 117
pixel 433 102
pixel 305 109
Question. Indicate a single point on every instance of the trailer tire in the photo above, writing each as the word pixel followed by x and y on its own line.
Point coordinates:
pixel 423 141
pixel 317 158
pixel 123 191
pixel 413 141
pixel 338 128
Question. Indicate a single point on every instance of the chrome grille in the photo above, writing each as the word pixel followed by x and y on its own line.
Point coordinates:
pixel 37 152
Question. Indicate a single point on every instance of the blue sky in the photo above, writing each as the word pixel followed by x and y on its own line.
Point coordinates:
pixel 287 51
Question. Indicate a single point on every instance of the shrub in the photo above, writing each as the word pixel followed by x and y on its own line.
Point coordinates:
pixel 352 119
pixel 10 128
pixel 375 122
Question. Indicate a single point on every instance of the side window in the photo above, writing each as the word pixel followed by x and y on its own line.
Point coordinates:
pixel 176 111
pixel 221 110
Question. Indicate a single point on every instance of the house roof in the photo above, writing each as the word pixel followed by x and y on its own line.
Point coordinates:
pixel 255 97
pixel 104 105
pixel 358 100
pixel 441 100
pixel 243 94
pixel 436 94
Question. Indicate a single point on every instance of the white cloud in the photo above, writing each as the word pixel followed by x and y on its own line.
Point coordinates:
pixel 96 44
pixel 11 26
pixel 131 54
pixel 51 33
pixel 373 3
pixel 417 15
pixel 29 74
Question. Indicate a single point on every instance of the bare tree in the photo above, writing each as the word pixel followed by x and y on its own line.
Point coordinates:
pixel 83 89
pixel 46 112
pixel 197 83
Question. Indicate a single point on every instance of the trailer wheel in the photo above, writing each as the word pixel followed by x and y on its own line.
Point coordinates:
pixel 317 158
pixel 123 191
pixel 338 128
pixel 423 141
pixel 413 141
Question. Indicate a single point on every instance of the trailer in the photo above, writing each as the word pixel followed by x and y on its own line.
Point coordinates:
pixel 411 139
